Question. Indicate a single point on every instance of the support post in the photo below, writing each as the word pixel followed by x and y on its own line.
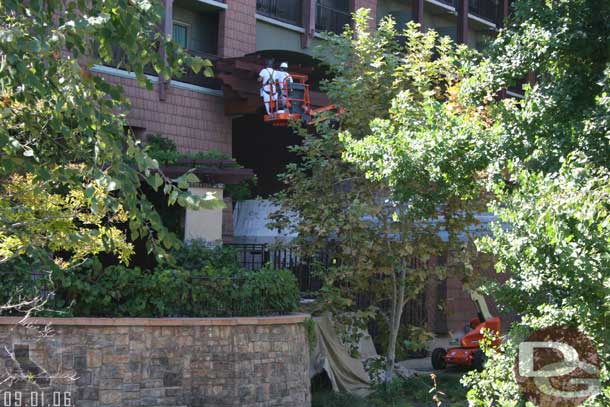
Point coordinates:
pixel 417 11
pixel 309 22
pixel 462 21
pixel 167 31
pixel 503 13
pixel 531 78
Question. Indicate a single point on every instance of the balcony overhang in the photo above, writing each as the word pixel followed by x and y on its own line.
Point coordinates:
pixel 210 171
pixel 241 89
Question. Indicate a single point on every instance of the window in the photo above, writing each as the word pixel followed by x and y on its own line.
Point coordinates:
pixel 195 27
pixel 180 34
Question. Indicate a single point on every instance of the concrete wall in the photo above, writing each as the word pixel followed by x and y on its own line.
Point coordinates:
pixel 97 362
pixel 204 224
pixel 274 37
pixel 399 10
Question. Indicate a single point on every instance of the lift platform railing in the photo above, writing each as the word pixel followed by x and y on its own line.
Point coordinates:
pixel 294 105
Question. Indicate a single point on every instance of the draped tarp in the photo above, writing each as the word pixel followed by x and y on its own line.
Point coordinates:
pixel 346 373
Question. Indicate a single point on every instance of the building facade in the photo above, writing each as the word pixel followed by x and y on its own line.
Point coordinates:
pixel 191 110
pixel 224 113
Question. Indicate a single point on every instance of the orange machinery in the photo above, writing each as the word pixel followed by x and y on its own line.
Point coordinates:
pixel 297 104
pixel 469 353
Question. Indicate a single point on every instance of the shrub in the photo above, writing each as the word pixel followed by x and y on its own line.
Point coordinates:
pixel 24 278
pixel 202 282
pixel 332 399
pixel 415 391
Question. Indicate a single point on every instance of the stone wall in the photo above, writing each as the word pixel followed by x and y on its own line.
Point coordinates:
pixel 156 362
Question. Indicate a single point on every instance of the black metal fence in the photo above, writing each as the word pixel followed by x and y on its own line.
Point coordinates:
pixel 306 270
pixel 119 60
pixel 194 294
pixel 309 272
pixel 289 11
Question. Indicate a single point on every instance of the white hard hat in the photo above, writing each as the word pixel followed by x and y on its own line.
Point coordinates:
pixel 284 65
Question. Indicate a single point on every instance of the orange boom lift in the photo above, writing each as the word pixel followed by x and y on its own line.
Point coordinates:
pixel 469 353
pixel 297 104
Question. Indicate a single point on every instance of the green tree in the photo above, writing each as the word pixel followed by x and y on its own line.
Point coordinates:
pixel 382 232
pixel 554 194
pixel 71 174
pixel 546 159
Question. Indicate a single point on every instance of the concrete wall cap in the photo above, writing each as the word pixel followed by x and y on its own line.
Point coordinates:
pixel 89 321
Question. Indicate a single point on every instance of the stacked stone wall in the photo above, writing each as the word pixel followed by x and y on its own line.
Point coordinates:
pixel 88 362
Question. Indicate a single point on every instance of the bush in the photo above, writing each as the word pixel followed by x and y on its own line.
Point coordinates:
pixel 24 278
pixel 415 391
pixel 332 399
pixel 202 282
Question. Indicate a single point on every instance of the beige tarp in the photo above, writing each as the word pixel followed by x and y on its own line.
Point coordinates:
pixel 346 373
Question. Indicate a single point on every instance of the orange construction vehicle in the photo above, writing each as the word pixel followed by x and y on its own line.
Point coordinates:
pixel 469 353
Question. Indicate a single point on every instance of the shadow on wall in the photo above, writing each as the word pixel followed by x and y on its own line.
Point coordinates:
pixel 263 148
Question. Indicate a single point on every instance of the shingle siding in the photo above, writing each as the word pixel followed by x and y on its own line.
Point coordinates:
pixel 194 121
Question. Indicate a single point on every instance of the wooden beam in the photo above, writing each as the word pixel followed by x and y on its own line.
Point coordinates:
pixel 531 78
pixel 462 21
pixel 309 22
pixel 236 106
pixel 417 11
pixel 503 13
pixel 167 31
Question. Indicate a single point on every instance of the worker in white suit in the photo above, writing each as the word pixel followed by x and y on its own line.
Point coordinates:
pixel 267 79
pixel 285 81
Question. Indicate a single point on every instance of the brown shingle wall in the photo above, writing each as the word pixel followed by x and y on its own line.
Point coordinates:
pixel 195 121
pixel 237 29
pixel 460 308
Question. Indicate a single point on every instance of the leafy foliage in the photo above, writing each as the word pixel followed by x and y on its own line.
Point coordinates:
pixel 550 177
pixel 495 386
pixel 413 392
pixel 166 152
pixel 205 282
pixel 63 130
pixel 384 220
pixel 544 160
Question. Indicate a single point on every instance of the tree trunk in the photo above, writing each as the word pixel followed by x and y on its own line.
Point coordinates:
pixel 398 302
pixel 391 356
